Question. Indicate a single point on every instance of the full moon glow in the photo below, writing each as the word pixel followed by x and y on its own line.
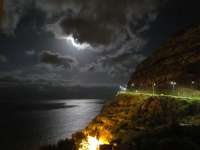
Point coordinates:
pixel 76 44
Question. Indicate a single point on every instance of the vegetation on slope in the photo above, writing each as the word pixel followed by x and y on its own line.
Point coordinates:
pixel 177 60
pixel 129 118
pixel 142 122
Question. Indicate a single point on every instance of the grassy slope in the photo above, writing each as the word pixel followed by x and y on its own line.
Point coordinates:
pixel 130 117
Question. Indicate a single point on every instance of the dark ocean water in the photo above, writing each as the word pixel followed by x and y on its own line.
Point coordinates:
pixel 26 125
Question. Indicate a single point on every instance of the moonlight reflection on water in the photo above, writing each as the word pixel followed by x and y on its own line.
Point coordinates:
pixel 39 125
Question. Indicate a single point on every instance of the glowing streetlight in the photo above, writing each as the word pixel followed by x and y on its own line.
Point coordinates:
pixel 173 84
pixel 132 84
pixel 192 84
pixel 153 88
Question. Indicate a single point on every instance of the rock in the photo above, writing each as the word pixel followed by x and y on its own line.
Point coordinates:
pixel 177 60
pixel 129 119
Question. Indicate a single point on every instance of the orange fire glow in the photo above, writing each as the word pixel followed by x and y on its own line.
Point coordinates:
pixel 92 143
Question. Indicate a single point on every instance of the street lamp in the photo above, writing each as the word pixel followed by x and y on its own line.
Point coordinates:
pixel 192 84
pixel 153 88
pixel 132 84
pixel 173 84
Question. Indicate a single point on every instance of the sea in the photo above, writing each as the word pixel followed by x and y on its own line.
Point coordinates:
pixel 28 124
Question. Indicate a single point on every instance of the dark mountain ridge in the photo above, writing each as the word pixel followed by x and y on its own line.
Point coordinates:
pixel 177 60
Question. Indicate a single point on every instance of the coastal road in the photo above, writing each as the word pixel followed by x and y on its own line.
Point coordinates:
pixel 163 95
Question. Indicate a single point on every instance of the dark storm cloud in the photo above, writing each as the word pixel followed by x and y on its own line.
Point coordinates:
pixel 3 59
pixel 114 28
pixel 98 22
pixel 57 59
pixel 86 30
pixel 120 59
pixel 119 29
pixel 93 21
pixel 119 66
pixel 1 10
pixel 13 11
pixel 30 52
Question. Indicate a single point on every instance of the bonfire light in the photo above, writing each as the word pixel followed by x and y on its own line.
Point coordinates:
pixel 92 143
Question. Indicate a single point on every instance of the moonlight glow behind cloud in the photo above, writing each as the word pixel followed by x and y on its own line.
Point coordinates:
pixel 90 41
pixel 76 44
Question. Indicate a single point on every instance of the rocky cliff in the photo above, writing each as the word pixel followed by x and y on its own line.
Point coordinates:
pixel 139 122
pixel 177 60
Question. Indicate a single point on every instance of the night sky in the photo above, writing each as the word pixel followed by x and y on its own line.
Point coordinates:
pixel 85 42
